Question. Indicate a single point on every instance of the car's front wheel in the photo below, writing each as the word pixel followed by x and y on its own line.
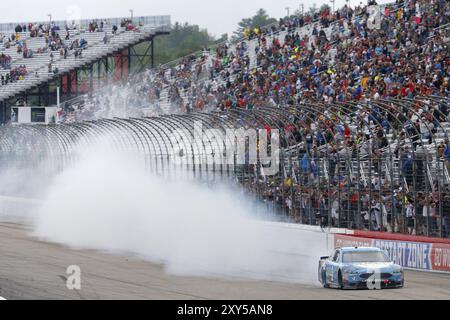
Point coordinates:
pixel 340 281
pixel 324 280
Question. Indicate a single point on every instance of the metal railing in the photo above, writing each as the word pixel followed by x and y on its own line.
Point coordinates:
pixel 266 29
pixel 156 21
pixel 314 185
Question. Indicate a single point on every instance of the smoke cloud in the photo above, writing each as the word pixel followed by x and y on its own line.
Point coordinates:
pixel 108 201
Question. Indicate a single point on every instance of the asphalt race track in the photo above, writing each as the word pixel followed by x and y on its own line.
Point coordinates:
pixel 30 269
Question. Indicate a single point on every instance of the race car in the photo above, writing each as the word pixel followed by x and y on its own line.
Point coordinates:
pixel 360 268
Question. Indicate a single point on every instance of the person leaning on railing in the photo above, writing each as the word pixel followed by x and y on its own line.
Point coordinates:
pixel 446 214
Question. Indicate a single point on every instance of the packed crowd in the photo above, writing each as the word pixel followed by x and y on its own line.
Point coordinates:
pixel 337 178
pixel 350 205
pixel 341 58
pixel 405 58
pixel 326 58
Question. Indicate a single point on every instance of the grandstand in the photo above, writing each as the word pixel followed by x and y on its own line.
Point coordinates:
pixel 363 115
pixel 57 53
pixel 180 87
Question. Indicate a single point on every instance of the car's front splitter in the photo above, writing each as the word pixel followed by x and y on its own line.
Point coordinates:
pixel 364 284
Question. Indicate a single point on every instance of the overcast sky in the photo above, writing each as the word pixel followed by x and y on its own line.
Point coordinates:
pixel 219 16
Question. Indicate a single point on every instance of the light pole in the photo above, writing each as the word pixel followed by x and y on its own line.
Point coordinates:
pixel 302 8
pixel 288 11
pixel 50 16
pixel 334 4
pixel 132 12
pixel 58 97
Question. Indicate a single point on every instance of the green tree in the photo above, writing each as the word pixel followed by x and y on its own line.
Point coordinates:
pixel 184 39
pixel 313 9
pixel 260 19
pixel 325 7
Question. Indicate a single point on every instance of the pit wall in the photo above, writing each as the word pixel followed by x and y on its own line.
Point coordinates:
pixel 14 209
pixel 416 253
pixel 413 253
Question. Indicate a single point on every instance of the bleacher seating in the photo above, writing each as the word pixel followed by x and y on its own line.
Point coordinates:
pixel 38 66
pixel 379 162
pixel 363 114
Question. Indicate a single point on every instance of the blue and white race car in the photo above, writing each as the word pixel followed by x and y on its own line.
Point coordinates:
pixel 360 268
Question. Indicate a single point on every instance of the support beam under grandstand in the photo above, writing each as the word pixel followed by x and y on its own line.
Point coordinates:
pixel 141 56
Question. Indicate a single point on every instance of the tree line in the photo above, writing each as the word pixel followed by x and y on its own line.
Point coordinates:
pixel 187 38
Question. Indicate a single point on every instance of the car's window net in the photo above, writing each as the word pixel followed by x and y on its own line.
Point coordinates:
pixel 336 256
pixel 353 257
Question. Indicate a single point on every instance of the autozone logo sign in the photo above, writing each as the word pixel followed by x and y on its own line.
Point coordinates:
pixel 407 254
pixel 412 255
pixel 441 257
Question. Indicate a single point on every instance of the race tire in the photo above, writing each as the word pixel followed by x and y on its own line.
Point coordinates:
pixel 340 281
pixel 324 280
